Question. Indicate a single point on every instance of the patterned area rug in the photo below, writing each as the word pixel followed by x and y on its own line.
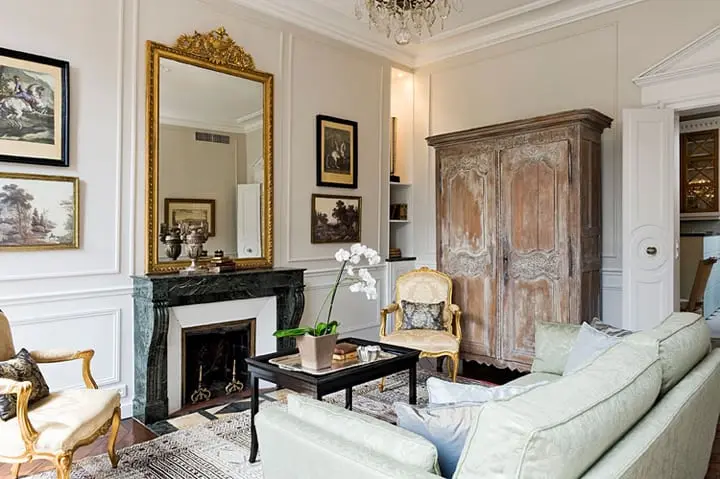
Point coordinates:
pixel 218 446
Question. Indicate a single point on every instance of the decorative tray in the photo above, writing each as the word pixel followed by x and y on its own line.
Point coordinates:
pixel 292 363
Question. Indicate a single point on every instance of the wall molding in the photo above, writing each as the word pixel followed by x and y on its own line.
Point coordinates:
pixel 66 296
pixel 119 153
pixel 700 125
pixel 114 313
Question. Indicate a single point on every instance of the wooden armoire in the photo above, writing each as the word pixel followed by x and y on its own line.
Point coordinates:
pixel 518 229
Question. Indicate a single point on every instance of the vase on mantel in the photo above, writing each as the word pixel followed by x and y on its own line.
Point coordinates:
pixel 316 352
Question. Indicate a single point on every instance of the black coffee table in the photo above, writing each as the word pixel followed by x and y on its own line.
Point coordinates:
pixel 259 367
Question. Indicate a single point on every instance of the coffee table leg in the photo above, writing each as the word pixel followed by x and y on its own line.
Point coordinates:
pixel 254 407
pixel 413 384
pixel 348 399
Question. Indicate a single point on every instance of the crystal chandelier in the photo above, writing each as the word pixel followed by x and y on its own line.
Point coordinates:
pixel 402 18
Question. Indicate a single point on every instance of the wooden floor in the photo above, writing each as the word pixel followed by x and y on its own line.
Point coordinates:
pixel 131 432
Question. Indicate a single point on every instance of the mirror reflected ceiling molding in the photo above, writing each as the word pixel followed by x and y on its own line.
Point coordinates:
pixel 209 135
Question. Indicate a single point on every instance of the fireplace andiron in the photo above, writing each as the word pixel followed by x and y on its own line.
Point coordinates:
pixel 201 393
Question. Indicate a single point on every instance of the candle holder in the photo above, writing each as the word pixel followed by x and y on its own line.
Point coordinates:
pixel 201 393
pixel 234 386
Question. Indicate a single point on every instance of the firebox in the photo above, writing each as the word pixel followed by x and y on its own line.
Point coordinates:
pixel 214 359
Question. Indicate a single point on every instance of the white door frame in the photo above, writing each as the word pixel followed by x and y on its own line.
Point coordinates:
pixel 687 79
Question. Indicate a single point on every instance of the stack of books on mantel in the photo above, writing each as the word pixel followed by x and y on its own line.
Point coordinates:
pixel 345 352
pixel 221 263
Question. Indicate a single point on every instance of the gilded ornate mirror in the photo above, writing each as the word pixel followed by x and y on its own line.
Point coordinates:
pixel 209 154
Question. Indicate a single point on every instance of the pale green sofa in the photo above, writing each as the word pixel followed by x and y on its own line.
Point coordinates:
pixel 646 408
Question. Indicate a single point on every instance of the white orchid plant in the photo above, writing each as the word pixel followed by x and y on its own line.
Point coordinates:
pixel 358 280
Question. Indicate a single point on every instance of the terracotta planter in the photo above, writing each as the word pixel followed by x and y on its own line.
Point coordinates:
pixel 316 352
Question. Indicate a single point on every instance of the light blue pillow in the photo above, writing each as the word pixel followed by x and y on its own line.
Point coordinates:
pixel 445 426
pixel 445 392
pixel 590 344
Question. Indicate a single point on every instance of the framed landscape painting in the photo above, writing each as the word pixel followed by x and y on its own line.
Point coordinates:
pixel 34 99
pixel 38 212
pixel 337 160
pixel 335 219
pixel 191 211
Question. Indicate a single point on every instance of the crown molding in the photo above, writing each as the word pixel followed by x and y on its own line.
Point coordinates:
pixel 663 70
pixel 202 125
pixel 701 124
pixel 512 24
pixel 512 28
pixel 251 122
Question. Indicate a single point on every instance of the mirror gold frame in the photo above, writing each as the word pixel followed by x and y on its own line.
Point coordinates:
pixel 215 51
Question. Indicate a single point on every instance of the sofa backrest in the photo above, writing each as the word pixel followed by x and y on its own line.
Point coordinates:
pixel 675 438
pixel 683 339
pixel 560 429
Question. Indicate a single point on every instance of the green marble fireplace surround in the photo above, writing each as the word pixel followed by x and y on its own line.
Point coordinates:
pixel 154 295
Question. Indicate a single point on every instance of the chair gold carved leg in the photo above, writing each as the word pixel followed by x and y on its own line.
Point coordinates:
pixel 114 429
pixel 381 386
pixel 63 463
pixel 15 471
pixel 456 361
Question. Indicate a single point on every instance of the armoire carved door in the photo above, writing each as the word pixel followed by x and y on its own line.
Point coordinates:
pixel 518 229
pixel 534 242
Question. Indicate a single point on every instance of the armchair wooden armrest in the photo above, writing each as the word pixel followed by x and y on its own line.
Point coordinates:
pixel 60 356
pixel 21 389
pixel 457 314
pixel 383 316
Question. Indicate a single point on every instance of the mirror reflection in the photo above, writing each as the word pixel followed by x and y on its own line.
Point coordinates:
pixel 211 168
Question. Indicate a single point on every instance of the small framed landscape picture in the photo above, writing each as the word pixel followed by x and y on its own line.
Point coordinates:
pixel 38 212
pixel 337 147
pixel 335 219
pixel 34 99
pixel 191 211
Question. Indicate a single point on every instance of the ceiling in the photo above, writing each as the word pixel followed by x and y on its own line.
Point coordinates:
pixel 201 98
pixel 482 23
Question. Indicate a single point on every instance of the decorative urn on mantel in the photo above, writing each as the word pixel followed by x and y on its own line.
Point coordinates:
pixel 316 343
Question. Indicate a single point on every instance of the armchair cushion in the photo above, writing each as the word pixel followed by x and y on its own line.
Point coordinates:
pixel 425 340
pixel 62 420
pixel 21 368
pixel 423 315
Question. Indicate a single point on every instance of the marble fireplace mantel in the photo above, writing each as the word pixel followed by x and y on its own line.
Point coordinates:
pixel 154 295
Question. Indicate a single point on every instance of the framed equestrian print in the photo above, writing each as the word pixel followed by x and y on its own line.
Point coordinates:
pixel 337 160
pixel 34 100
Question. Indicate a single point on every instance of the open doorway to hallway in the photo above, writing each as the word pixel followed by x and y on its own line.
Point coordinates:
pixel 698 274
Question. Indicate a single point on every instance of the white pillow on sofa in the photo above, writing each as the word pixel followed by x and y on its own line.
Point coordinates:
pixel 589 344
pixel 446 392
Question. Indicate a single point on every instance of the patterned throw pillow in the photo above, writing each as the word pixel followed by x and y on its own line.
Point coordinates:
pixel 21 368
pixel 422 315
pixel 609 329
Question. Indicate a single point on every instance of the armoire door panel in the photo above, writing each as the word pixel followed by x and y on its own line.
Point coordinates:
pixel 468 241
pixel 534 241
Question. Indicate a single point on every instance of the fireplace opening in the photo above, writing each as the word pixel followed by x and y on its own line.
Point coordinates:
pixel 214 360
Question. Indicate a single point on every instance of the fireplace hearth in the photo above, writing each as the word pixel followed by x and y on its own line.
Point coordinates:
pixel 214 359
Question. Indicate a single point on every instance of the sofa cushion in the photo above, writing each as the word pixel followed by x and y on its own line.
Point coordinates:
pixel 533 378
pixel 446 426
pixel 446 392
pixel 683 339
pixel 589 344
pixel 559 430
pixel 376 435
pixel 553 342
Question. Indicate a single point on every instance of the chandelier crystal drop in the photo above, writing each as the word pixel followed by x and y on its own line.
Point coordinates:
pixel 403 19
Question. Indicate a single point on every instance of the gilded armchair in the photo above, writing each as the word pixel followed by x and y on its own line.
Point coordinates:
pixel 425 286
pixel 55 426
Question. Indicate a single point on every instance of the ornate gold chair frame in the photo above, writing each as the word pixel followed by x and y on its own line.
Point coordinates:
pixel 62 461
pixel 452 326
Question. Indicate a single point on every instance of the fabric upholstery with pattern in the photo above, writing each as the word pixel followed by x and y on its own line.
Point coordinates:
pixel 422 315
pixel 424 288
pixel 21 368
pixel 609 329
pixel 423 339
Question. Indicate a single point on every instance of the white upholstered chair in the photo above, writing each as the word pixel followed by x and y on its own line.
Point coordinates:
pixel 425 286
pixel 55 426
